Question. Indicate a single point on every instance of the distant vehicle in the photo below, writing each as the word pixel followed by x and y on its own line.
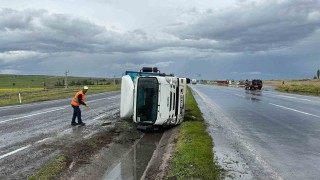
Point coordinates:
pixel 253 85
pixel 223 82
pixel 153 98
pixel 194 81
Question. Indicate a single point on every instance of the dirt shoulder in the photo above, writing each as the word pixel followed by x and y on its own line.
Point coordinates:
pixel 160 164
pixel 185 152
pixel 73 160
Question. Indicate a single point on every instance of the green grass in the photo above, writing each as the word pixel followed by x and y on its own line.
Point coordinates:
pixel 37 81
pixel 93 142
pixel 306 86
pixel 295 88
pixel 32 89
pixel 194 157
pixel 193 112
pixel 26 81
pixel 11 96
pixel 52 170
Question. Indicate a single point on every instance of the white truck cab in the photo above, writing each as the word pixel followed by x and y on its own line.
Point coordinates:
pixel 155 99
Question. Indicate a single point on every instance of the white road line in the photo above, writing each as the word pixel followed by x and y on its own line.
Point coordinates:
pixel 15 151
pixel 43 140
pixel 113 97
pixel 33 104
pixel 1 122
pixel 49 102
pixel 294 110
pixel 23 148
pixel 290 97
pixel 239 95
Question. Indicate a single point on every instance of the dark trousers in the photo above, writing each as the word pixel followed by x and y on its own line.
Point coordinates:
pixel 76 113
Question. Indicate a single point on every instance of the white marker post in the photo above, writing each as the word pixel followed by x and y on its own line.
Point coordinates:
pixel 20 98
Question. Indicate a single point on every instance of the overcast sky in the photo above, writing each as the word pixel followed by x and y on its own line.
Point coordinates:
pixel 213 39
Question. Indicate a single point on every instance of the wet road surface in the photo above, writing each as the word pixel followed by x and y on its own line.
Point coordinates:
pixel 24 128
pixel 134 162
pixel 263 134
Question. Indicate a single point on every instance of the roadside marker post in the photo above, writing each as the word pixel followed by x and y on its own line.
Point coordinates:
pixel 20 98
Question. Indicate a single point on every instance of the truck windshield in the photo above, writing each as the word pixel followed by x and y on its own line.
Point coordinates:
pixel 147 99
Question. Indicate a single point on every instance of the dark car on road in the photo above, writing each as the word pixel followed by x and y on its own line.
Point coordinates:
pixel 254 84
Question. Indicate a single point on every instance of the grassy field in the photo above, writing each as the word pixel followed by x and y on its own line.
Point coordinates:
pixel 38 81
pixel 194 157
pixel 31 88
pixel 304 86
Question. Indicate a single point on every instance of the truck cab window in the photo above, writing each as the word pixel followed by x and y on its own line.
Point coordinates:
pixel 147 99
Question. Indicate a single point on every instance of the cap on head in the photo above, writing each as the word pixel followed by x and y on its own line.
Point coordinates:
pixel 85 87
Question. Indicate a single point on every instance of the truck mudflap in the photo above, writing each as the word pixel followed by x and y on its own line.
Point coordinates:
pixel 148 127
pixel 145 127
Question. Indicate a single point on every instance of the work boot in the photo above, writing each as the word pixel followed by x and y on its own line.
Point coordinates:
pixel 74 124
pixel 82 124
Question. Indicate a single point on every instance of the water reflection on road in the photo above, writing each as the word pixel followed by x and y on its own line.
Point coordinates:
pixel 134 162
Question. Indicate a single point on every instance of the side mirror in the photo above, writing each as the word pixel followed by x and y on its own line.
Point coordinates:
pixel 188 81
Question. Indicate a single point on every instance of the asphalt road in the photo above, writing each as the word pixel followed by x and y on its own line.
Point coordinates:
pixel 263 134
pixel 24 128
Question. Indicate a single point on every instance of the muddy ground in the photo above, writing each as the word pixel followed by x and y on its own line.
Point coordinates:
pixel 80 153
pixel 34 135
pixel 117 152
pixel 85 155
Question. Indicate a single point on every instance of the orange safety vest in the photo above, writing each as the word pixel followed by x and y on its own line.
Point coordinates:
pixel 75 101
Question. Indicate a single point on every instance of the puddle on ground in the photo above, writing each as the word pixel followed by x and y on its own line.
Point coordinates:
pixel 133 164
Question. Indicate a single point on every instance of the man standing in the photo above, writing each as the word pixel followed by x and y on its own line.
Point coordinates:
pixel 78 99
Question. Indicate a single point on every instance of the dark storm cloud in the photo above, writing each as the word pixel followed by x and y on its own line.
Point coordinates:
pixel 255 26
pixel 268 39
pixel 41 31
pixel 32 30
pixel 38 30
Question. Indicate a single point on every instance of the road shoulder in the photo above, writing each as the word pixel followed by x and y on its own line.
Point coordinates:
pixel 161 161
pixel 193 156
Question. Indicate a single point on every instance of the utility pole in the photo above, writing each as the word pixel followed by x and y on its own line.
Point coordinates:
pixel 65 79
pixel 114 80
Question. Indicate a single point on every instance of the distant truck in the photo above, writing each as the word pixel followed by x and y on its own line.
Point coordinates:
pixel 222 82
pixel 253 85
pixel 194 81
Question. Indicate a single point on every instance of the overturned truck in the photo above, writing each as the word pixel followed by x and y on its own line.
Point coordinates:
pixel 152 98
